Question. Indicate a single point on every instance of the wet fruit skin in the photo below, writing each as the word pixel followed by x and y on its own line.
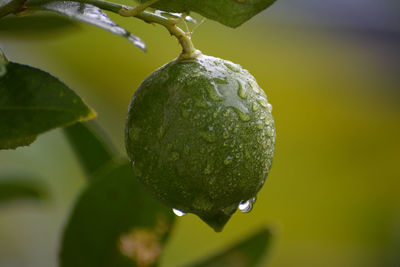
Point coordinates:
pixel 200 137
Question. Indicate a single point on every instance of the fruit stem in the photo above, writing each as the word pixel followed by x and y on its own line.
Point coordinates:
pixel 188 50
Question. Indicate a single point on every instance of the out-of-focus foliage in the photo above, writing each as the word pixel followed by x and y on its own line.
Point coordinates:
pixel 115 223
pixel 37 24
pixel 247 253
pixel 114 217
pixel 32 102
pixel 91 147
pixel 14 188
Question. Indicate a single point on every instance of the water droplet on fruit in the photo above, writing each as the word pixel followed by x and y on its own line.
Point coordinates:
pixel 269 107
pixel 263 102
pixel 254 86
pixel 209 169
pixel 270 131
pixel 178 212
pixel 242 115
pixel 247 206
pixel 242 91
pixel 228 160
pixel 215 114
pixel 186 150
pixel 255 107
pixel 232 67
pixel 208 136
pixel 246 154
pixel 220 81
pixel 174 156
pixel 185 113
pixel 213 93
pixel 260 125
pixel 200 103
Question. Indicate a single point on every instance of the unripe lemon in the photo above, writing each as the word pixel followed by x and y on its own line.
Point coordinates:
pixel 200 137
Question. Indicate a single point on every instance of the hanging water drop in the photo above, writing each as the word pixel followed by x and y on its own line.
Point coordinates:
pixel 254 86
pixel 247 206
pixel 178 212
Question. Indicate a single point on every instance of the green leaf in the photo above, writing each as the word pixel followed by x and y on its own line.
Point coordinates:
pixel 35 24
pixel 115 223
pixel 247 253
pixel 231 13
pixel 14 189
pixel 32 102
pixel 93 15
pixel 90 146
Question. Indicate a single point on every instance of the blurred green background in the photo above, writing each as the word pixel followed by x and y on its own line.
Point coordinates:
pixel 331 71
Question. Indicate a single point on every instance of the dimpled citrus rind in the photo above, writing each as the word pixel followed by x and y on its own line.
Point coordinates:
pixel 200 136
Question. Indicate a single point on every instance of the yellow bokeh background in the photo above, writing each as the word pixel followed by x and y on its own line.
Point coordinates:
pixel 333 194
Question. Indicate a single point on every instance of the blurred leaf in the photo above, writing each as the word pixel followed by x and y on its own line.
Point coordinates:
pixel 13 189
pixel 247 253
pixel 231 13
pixel 35 24
pixel 115 223
pixel 32 102
pixel 92 15
pixel 90 146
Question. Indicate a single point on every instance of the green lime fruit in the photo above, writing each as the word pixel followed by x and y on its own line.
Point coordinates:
pixel 200 137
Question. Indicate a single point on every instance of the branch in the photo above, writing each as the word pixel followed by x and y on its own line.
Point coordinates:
pixel 188 49
pixel 12 6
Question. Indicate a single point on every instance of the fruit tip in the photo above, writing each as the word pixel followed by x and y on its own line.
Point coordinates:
pixel 216 221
